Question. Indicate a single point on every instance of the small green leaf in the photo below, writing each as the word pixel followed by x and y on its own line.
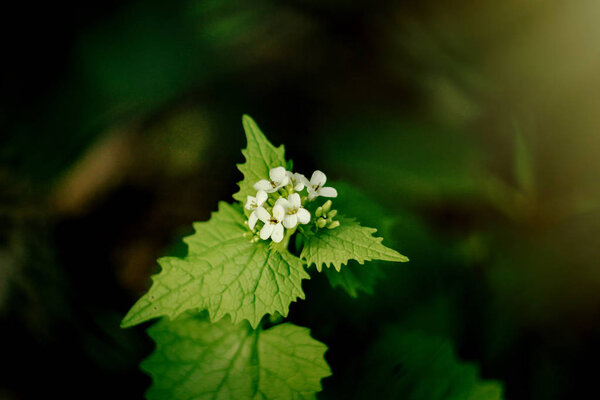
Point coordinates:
pixel 224 273
pixel 349 241
pixel 355 277
pixel 414 366
pixel 260 156
pixel 196 359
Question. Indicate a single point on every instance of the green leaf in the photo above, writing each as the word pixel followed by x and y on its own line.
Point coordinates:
pixel 260 156
pixel 349 241
pixel 196 359
pixel 413 366
pixel 224 273
pixel 355 277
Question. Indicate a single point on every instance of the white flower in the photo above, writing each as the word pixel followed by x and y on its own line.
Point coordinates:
pixel 272 227
pixel 297 180
pixel 294 212
pixel 315 186
pixel 252 203
pixel 278 180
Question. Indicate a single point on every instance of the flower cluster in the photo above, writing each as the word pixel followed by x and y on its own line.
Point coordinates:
pixel 280 203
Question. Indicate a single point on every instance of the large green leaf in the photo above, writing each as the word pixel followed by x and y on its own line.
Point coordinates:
pixel 196 359
pixel 349 241
pixel 260 156
pixel 224 273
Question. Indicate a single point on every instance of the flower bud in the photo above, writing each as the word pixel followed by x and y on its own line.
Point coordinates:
pixel 332 214
pixel 327 206
pixel 319 212
pixel 321 223
pixel 333 225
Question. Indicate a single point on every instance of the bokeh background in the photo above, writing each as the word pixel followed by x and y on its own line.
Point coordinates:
pixel 472 125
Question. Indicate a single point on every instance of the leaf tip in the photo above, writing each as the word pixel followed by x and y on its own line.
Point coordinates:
pixel 402 258
pixel 127 321
pixel 250 128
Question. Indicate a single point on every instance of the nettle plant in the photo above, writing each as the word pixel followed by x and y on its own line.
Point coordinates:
pixel 227 298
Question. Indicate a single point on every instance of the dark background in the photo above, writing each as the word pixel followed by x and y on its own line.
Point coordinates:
pixel 474 124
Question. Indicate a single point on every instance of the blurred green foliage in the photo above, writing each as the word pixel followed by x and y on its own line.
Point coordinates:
pixel 473 125
pixel 413 365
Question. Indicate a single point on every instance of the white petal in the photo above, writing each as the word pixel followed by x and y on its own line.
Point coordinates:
pixel 261 197
pixel 291 176
pixel 283 203
pixel 249 203
pixel 294 200
pixel 299 181
pixel 252 220
pixel 300 178
pixel 328 192
pixel 285 181
pixel 262 214
pixel 278 212
pixel 303 216
pixel 266 231
pixel 277 235
pixel 318 178
pixel 290 221
pixel 277 174
pixel 311 193
pixel 263 184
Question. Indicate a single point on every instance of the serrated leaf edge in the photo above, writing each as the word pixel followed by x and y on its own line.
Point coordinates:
pixel 338 266
pixel 248 124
